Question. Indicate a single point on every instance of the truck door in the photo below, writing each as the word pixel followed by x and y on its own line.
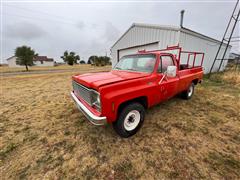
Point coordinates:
pixel 167 85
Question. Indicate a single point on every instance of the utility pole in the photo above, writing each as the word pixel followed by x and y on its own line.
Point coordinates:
pixel 230 29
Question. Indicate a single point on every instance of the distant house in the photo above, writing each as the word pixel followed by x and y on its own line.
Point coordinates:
pixel 59 63
pixel 37 61
pixel 43 61
pixel 3 64
pixel 12 62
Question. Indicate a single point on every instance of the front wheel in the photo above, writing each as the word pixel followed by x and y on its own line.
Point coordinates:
pixel 189 92
pixel 129 120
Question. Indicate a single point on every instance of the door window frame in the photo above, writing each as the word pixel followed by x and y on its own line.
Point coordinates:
pixel 160 59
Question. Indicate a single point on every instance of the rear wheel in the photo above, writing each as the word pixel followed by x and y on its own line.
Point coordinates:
pixel 189 92
pixel 129 120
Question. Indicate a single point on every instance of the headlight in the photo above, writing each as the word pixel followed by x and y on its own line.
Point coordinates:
pixel 96 101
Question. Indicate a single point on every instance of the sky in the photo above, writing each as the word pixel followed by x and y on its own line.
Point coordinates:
pixel 92 27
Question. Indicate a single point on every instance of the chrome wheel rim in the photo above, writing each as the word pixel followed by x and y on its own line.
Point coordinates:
pixel 132 120
pixel 190 91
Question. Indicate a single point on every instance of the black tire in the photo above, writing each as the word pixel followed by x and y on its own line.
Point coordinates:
pixel 120 124
pixel 189 92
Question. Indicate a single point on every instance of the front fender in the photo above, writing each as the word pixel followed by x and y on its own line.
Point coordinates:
pixel 111 103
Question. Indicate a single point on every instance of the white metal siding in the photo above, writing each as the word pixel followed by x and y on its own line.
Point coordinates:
pixel 193 43
pixel 144 36
pixel 140 36
pixel 134 50
pixel 12 62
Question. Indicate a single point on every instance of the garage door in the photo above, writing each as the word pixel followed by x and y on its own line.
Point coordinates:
pixel 134 50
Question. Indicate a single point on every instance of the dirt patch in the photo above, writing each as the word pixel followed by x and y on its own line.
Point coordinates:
pixel 43 135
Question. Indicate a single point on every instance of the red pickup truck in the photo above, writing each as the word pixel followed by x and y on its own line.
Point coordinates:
pixel 136 83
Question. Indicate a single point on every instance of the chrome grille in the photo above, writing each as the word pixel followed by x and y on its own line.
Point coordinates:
pixel 82 92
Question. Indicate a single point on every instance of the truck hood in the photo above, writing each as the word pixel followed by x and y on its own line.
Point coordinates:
pixel 95 80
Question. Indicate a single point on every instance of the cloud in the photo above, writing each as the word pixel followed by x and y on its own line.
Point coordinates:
pixel 97 26
pixel 111 33
pixel 24 30
pixel 80 25
pixel 94 26
pixel 104 37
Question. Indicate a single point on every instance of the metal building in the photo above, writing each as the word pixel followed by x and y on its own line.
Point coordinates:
pixel 153 37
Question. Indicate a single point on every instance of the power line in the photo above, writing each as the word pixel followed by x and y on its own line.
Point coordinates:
pixel 40 12
pixel 43 19
pixel 60 18
pixel 34 18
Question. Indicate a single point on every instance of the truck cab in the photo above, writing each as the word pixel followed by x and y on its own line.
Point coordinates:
pixel 137 82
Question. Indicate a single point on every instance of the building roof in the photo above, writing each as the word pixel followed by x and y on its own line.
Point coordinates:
pixel 235 54
pixel 10 58
pixel 42 58
pixel 168 27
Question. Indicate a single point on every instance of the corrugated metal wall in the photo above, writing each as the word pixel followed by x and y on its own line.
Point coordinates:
pixel 209 47
pixel 142 36
pixel 137 36
pixel 133 50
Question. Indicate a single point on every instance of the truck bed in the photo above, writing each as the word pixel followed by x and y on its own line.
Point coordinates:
pixel 188 75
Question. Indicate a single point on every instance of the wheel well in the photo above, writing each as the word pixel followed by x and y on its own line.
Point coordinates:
pixel 195 81
pixel 142 100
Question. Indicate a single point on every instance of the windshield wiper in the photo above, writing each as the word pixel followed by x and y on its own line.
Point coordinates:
pixel 130 69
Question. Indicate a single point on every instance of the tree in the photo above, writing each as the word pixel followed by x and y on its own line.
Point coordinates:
pixel 70 58
pixel 99 60
pixel 82 62
pixel 25 56
pixel 92 59
pixel 104 60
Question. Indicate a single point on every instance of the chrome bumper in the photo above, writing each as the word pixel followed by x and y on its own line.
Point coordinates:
pixel 96 120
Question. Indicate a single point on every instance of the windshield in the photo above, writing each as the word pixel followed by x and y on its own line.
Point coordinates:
pixel 141 63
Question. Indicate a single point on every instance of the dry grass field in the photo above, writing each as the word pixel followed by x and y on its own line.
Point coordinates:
pixel 44 136
pixel 5 69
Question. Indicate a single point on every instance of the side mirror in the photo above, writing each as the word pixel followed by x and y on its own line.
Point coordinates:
pixel 171 71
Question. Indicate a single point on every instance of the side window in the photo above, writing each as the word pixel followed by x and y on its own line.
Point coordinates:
pixel 164 62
